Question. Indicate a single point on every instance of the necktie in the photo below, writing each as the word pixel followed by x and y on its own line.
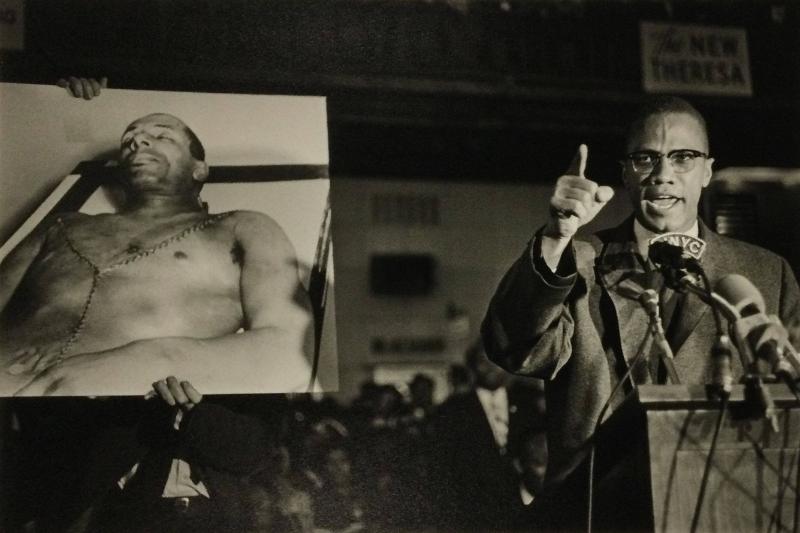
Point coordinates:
pixel 669 303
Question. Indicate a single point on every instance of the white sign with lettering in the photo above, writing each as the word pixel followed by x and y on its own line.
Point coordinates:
pixel 686 58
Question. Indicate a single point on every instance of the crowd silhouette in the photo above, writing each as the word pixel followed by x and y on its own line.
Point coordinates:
pixel 384 462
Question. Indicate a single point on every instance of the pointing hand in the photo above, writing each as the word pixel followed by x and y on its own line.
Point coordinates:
pixel 576 200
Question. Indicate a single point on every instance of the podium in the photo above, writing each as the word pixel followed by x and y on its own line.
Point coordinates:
pixel 649 462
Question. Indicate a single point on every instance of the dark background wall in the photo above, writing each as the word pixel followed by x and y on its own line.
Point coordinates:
pixel 451 90
pixel 476 104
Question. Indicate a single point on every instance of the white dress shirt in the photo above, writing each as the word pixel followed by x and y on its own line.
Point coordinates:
pixel 495 405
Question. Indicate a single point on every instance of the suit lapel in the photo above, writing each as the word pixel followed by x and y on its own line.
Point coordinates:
pixel 620 270
pixel 692 309
pixel 621 273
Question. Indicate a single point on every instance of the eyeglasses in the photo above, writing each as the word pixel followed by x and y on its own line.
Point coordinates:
pixel 683 160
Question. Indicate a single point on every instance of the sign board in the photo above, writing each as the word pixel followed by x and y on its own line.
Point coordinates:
pixel 686 58
pixel 12 24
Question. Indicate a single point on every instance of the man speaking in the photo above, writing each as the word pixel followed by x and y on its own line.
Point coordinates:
pixel 568 311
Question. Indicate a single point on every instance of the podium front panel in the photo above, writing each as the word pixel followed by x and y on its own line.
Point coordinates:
pixel 752 481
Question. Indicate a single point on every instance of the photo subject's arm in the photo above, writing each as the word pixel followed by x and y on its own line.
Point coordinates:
pixel 271 355
pixel 12 270
pixel 17 262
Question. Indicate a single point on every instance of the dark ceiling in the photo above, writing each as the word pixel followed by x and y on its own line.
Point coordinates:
pixel 454 90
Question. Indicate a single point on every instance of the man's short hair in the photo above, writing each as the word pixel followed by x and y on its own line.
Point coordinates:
pixel 421 379
pixel 196 150
pixel 660 105
pixel 195 146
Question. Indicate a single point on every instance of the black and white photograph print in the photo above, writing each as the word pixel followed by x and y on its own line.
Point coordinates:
pixel 191 238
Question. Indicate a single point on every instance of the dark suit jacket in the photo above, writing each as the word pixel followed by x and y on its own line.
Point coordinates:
pixel 228 441
pixel 69 452
pixel 478 484
pixel 221 437
pixel 578 330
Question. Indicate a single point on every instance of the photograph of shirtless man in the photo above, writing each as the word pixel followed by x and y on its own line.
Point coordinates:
pixel 109 304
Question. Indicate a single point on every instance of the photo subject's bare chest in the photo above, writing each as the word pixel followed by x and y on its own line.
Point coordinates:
pixel 126 254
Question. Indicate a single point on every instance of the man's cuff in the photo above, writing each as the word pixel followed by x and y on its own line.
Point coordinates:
pixel 566 269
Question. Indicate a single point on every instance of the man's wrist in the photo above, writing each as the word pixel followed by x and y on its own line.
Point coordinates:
pixel 563 272
pixel 551 249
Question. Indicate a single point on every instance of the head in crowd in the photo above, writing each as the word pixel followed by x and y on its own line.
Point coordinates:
pixel 388 402
pixel 460 379
pixel 337 466
pixel 666 164
pixel 487 374
pixel 315 439
pixel 421 389
pixel 327 450
pixel 160 154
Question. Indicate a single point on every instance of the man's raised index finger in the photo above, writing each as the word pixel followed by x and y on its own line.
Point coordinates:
pixel 578 165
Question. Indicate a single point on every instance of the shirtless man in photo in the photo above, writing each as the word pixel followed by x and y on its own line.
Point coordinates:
pixel 111 303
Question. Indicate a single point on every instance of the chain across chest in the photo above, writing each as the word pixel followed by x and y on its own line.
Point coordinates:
pixel 133 255
pixel 135 252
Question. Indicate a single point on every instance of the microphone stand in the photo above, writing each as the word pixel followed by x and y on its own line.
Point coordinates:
pixel 756 395
pixel 721 351
pixel 649 300
pixel 722 378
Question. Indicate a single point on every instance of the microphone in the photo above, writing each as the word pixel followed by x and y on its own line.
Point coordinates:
pixel 764 336
pixel 649 300
pixel 760 337
pixel 677 255
pixel 676 250
pixel 721 373
pixel 741 293
pixel 669 255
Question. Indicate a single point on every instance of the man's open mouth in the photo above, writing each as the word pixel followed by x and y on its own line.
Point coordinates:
pixel 141 157
pixel 662 202
pixel 142 160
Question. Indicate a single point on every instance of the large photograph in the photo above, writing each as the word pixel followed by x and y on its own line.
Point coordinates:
pixel 196 245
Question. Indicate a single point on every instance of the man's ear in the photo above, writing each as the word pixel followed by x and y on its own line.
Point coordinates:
pixel 200 171
pixel 708 171
pixel 624 179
